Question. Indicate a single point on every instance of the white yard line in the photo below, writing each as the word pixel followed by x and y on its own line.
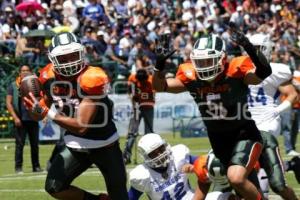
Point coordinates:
pixel 12 177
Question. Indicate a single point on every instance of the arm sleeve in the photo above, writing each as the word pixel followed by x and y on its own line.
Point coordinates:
pixel 134 194
pixel 192 158
pixel 263 68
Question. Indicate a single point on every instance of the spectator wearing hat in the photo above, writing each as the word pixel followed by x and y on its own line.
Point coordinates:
pixel 111 54
pixel 238 17
pixel 125 44
pixel 100 44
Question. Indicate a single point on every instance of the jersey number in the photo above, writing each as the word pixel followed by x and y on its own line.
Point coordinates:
pixel 178 190
pixel 260 97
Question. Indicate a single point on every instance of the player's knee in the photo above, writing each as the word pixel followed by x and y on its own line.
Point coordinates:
pixel 53 187
pixel 235 179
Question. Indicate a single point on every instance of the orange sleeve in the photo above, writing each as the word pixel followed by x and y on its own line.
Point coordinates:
pixel 200 168
pixel 186 73
pixel 240 66
pixel 94 81
pixel 46 73
pixel 131 79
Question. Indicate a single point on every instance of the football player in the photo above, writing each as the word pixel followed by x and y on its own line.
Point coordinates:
pixel 210 171
pixel 266 114
pixel 80 94
pixel 219 87
pixel 161 176
pixel 143 100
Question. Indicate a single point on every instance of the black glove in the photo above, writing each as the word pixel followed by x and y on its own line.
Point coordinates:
pixel 294 165
pixel 162 51
pixel 237 36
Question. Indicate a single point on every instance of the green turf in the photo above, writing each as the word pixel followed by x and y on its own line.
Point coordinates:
pixel 30 186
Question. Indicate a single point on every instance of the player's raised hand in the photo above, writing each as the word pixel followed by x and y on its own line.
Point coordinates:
pixel 237 36
pixel 163 51
pixel 187 168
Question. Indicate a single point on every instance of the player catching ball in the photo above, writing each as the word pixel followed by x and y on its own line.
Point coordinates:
pixel 85 111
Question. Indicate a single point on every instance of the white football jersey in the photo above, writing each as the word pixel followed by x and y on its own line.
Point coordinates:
pixel 174 186
pixel 219 195
pixel 262 98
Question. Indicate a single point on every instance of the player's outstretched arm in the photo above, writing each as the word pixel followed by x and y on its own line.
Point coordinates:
pixel 163 52
pixel 263 68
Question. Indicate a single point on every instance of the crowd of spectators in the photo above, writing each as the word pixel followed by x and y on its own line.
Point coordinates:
pixel 124 31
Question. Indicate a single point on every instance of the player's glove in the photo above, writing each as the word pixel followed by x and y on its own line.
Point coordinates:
pixel 294 165
pixel 35 106
pixel 237 36
pixel 162 51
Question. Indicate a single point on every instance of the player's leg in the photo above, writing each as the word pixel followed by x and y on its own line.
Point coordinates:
pixel 64 169
pixel 295 129
pixel 20 136
pixel 59 147
pixel 245 155
pixel 33 135
pixel 286 121
pixel 272 163
pixel 112 167
pixel 132 134
pixel 148 115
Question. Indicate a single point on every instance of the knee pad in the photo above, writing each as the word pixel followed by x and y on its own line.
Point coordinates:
pixel 53 186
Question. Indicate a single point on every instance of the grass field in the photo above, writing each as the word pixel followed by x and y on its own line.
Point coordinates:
pixel 30 186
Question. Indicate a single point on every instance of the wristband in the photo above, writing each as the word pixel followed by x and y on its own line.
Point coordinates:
pixel 51 114
pixel 285 105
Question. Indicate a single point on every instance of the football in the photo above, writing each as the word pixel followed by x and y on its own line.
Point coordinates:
pixel 30 83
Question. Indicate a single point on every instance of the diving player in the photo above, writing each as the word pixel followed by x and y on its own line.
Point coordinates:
pixel 160 176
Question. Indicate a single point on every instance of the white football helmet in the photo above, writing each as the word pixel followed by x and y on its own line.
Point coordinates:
pixel 263 42
pixel 216 171
pixel 207 57
pixel 66 54
pixel 155 151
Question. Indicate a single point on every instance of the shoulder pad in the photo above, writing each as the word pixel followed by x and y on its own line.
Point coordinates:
pixel 180 149
pixel 186 73
pixel 132 77
pixel 93 81
pixel 281 73
pixel 46 73
pixel 239 67
pixel 139 178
